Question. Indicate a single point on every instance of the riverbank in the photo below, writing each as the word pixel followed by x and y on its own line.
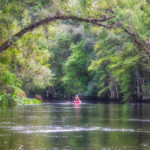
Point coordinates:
pixel 12 100
pixel 97 100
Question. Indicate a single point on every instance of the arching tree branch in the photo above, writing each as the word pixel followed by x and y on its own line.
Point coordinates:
pixel 55 17
pixel 136 40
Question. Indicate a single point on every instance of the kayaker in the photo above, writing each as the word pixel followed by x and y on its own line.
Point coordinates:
pixel 77 99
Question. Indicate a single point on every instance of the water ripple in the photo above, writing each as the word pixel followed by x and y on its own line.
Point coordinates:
pixel 138 120
pixel 47 129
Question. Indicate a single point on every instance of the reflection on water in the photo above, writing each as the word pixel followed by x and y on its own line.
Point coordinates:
pixel 75 126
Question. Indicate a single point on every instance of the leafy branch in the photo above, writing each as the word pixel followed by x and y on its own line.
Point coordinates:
pixel 55 17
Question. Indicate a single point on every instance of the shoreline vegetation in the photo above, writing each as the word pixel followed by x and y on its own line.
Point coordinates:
pixel 12 100
pixel 53 49
pixel 96 100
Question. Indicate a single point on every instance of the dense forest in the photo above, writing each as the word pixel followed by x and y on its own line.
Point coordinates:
pixel 59 48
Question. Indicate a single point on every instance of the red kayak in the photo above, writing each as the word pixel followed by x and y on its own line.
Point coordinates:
pixel 76 102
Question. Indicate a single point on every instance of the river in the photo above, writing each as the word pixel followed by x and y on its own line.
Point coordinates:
pixel 67 126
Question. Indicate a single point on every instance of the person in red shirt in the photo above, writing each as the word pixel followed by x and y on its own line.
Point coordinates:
pixel 77 99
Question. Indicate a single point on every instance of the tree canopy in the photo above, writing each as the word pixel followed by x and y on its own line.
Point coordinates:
pixel 60 48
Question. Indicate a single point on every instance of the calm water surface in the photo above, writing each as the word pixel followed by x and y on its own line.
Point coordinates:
pixel 75 127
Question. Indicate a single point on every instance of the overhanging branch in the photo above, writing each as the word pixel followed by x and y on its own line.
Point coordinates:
pixel 55 17
pixel 137 41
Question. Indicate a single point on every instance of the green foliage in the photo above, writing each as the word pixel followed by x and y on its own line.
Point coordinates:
pixel 102 92
pixel 146 92
pixel 61 57
pixel 24 101
pixel 76 78
pixel 12 99
pixel 8 81
pixel 7 100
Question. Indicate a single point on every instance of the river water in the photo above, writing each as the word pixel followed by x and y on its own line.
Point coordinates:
pixel 70 126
